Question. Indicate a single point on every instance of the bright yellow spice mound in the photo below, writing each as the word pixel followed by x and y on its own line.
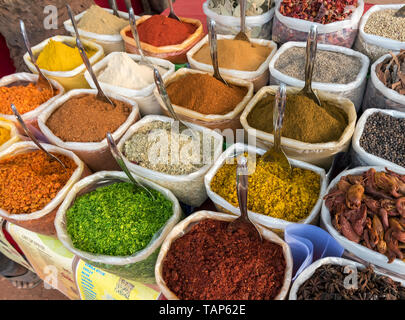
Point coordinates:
pixel 272 191
pixel 4 135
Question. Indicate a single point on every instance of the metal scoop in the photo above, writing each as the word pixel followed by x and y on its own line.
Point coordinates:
pixel 113 5
pixel 42 82
pixel 242 34
pixel 243 222
pixel 119 158
pixel 100 94
pixel 212 36
pixel 400 13
pixel 32 137
pixel 276 153
pixel 309 65
pixel 172 14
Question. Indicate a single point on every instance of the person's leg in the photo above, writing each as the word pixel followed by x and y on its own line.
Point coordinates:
pixel 19 276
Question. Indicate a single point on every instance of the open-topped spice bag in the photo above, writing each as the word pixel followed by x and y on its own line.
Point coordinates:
pixel 79 121
pixel 164 37
pixel 201 260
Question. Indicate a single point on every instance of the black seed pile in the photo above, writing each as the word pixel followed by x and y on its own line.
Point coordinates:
pixel 384 137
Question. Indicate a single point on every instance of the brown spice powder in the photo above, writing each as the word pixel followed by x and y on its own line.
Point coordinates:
pixel 87 119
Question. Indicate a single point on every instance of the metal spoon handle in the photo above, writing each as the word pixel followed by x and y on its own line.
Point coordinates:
pixel 135 34
pixel 163 94
pixel 172 14
pixel 32 137
pixel 114 8
pixel 242 186
pixel 400 12
pixel 212 37
pixel 242 15
pixel 119 158
pixel 278 114
pixel 310 56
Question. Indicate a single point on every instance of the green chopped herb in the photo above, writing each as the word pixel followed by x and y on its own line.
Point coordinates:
pixel 117 220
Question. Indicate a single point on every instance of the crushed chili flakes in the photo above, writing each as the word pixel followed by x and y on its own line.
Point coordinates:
pixel 29 181
pixel 320 11
pixel 211 263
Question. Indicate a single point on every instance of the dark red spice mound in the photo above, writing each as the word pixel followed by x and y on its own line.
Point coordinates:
pixel 161 31
pixel 209 263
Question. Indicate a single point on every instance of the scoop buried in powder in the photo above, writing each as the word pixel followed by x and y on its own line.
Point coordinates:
pixel 123 71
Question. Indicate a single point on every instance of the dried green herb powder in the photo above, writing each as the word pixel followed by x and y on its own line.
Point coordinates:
pixel 117 220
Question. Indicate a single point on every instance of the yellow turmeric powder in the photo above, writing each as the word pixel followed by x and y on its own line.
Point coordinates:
pixel 272 191
pixel 57 56
pixel 4 135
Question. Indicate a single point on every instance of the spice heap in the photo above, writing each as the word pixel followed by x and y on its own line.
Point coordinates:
pixel 25 98
pixel 328 283
pixel 272 191
pixel 57 56
pixel 384 136
pixel 320 11
pixel 232 8
pixel 4 135
pixel 161 147
pixel 162 31
pixel 97 20
pixel 205 94
pixel 210 263
pixel 235 54
pixel 29 181
pixel 116 220
pixel 369 209
pixel 84 118
pixel 391 72
pixel 330 67
pixel 304 120
pixel 383 23
pixel 122 71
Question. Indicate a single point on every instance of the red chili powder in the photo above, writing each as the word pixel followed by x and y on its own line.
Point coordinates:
pixel 161 31
pixel 211 263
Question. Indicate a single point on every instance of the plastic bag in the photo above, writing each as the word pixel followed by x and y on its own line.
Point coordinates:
pixel 189 189
pixel 319 154
pixel 340 33
pixel 14 137
pixel 378 95
pixel 109 42
pixel 42 221
pixel 96 155
pixel 269 222
pixel 375 46
pixel 184 226
pixel 73 79
pixel 30 118
pixel 256 26
pixel 359 250
pixel 260 77
pixel 211 121
pixel 139 266
pixel 174 53
pixel 145 98
pixel 308 272
pixel 363 157
pixel 354 91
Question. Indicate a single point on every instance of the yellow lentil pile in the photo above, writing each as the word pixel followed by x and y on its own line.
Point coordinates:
pixel 272 191
pixel 4 135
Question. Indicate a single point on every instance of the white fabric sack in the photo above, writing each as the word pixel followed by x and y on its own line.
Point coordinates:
pixel 269 222
pixel 308 272
pixel 319 154
pixel 362 156
pixel 189 189
pixel 30 118
pixel 184 226
pixel 256 26
pixel 378 95
pixel 354 90
pixel 139 266
pixel 375 46
pixel 145 98
pixel 260 77
pixel 109 42
pixel 96 155
pixel 14 137
pixel 359 250
pixel 341 33
pixel 39 221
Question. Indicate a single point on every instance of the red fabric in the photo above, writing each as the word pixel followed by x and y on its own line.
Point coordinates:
pixel 11 240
